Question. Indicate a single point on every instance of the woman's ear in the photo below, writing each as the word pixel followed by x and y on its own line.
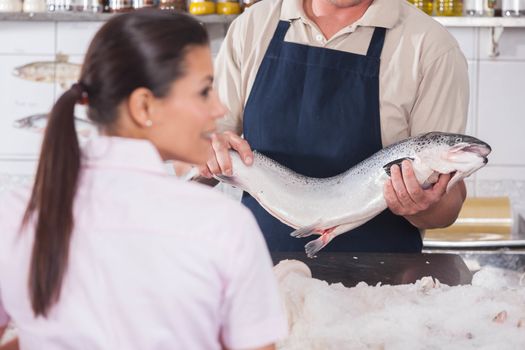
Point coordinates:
pixel 141 107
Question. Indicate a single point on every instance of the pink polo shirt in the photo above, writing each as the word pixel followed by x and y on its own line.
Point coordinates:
pixel 155 263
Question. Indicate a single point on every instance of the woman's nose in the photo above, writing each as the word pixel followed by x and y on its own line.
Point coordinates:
pixel 219 109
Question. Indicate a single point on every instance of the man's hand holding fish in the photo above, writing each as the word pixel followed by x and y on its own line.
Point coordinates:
pixel 221 162
pixel 425 208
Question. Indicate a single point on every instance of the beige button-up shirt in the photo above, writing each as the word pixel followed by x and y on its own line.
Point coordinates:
pixel 423 73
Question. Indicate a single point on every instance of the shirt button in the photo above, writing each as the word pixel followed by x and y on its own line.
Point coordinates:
pixel 319 38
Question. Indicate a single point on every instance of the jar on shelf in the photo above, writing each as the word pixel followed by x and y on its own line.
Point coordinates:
pixel 10 5
pixel 448 8
pixel 497 8
pixel 427 6
pixel 228 7
pixel 177 5
pixel 479 8
pixel 120 5
pixel 59 5
pixel 201 7
pixel 513 8
pixel 138 4
pixel 94 6
pixel 247 3
pixel 34 6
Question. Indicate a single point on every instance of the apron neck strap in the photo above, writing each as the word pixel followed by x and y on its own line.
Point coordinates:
pixel 376 44
pixel 278 37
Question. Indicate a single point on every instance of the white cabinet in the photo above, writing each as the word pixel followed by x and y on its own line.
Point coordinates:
pixel 27 38
pixel 73 38
pixel 467 40
pixel 511 45
pixel 501 112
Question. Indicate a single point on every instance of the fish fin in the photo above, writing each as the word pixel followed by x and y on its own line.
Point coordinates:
pixel 397 161
pixel 230 180
pixel 306 230
pixel 431 180
pixel 313 247
pixel 61 58
pixel 458 176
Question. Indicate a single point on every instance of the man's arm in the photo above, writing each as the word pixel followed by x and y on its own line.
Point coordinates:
pixel 228 80
pixel 228 84
pixel 442 98
pixel 11 345
pixel 441 105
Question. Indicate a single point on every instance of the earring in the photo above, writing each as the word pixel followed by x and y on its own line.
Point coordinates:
pixel 148 123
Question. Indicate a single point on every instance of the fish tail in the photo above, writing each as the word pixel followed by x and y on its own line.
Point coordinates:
pixel 316 245
pixel 306 230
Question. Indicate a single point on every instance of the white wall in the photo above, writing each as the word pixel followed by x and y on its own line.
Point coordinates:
pixel 497 109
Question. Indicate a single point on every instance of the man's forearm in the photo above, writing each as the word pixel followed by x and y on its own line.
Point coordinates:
pixel 11 345
pixel 444 212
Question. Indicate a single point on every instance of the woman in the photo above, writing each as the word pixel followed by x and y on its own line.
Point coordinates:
pixel 113 253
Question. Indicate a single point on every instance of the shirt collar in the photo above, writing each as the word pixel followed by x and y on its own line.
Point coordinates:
pixel 122 153
pixel 381 13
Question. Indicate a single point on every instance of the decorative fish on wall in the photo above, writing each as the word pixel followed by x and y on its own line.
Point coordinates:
pixel 59 71
pixel 38 122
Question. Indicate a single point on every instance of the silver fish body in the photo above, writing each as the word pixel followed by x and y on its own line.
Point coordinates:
pixel 331 206
pixel 59 71
pixel 38 122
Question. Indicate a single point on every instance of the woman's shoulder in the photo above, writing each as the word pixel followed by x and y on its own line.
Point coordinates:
pixel 204 200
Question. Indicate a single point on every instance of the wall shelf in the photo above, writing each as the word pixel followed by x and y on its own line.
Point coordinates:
pixel 496 25
pixel 481 21
pixel 91 17
pixel 96 17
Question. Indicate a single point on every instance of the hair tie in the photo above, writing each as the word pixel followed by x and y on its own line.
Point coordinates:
pixel 82 92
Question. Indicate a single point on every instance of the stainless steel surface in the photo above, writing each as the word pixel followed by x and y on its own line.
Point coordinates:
pixel 509 259
pixel 387 268
pixel 475 244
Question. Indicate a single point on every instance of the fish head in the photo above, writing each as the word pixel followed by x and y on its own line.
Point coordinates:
pixel 448 153
pixel 25 72
pixel 17 72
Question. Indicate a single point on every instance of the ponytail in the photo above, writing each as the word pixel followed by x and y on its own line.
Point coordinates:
pixel 52 201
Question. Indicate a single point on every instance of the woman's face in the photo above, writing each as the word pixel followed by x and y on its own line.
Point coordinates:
pixel 185 117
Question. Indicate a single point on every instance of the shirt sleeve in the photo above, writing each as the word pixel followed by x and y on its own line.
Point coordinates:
pixel 228 80
pixel 253 312
pixel 443 95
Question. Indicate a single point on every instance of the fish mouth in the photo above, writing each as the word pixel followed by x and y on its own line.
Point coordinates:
pixel 482 149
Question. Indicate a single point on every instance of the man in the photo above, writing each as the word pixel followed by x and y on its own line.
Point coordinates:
pixel 319 85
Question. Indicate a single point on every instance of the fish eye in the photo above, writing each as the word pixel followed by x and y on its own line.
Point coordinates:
pixel 458 139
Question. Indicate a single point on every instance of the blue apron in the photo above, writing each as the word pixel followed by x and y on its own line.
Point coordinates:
pixel 316 111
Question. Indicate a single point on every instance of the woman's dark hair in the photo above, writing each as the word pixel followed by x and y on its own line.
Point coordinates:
pixel 145 48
